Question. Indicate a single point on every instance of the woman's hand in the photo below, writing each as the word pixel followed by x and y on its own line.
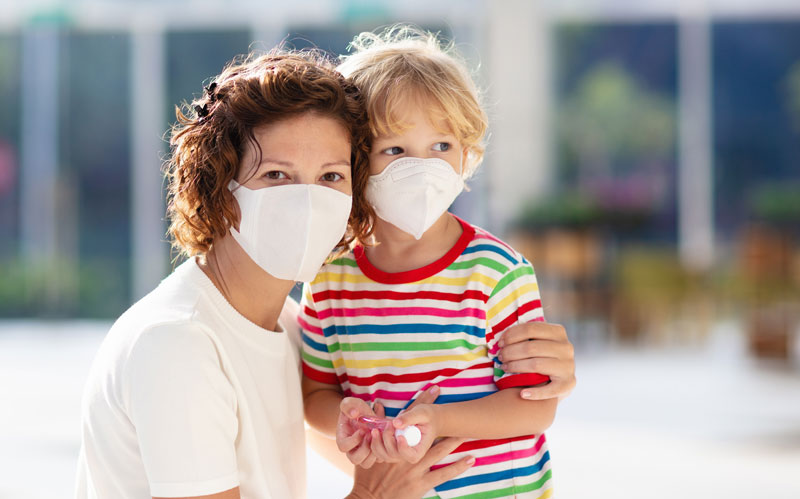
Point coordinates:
pixel 406 480
pixel 538 347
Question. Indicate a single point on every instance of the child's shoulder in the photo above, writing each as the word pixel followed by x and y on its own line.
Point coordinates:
pixel 487 245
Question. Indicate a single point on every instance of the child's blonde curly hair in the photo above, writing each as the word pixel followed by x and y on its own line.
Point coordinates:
pixel 405 61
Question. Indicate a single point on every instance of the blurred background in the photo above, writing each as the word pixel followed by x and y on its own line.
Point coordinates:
pixel 645 156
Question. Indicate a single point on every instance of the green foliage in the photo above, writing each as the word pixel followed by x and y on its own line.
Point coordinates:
pixel 612 119
pixel 777 203
pixel 792 93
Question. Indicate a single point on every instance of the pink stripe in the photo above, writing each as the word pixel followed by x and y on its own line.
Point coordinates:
pixel 486 235
pixel 506 456
pixel 389 311
pixel 451 382
pixel 381 394
pixel 308 327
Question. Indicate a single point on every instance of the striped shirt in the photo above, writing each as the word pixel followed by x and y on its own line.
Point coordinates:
pixel 387 337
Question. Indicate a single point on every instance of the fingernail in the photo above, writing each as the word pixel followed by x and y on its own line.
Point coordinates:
pixel 502 343
pixel 500 356
pixel 526 395
pixel 471 461
pixel 434 389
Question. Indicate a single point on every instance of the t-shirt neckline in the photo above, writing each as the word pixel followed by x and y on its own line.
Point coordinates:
pixel 225 308
pixel 421 273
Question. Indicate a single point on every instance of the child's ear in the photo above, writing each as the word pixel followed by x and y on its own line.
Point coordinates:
pixel 464 160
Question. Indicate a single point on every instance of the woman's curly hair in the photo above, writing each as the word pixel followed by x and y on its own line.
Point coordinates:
pixel 210 137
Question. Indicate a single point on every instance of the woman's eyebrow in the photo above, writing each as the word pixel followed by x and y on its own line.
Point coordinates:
pixel 341 162
pixel 287 164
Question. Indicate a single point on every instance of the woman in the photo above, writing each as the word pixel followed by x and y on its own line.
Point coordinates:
pixel 195 391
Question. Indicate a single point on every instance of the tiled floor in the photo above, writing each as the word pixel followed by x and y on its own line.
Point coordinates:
pixel 705 422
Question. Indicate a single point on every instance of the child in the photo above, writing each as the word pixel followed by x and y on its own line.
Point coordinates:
pixel 427 303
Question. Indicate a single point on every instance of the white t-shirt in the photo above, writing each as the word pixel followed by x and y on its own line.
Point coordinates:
pixel 186 397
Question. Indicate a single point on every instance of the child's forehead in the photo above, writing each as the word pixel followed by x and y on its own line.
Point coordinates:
pixel 403 112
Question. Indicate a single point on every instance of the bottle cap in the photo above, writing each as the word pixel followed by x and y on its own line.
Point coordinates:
pixel 412 434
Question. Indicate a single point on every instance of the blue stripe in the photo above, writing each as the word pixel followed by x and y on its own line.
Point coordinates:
pixel 320 347
pixel 496 476
pixel 493 249
pixel 343 330
pixel 392 412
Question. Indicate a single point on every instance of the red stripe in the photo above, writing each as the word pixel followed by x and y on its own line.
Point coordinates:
pixel 413 377
pixel 333 294
pixel 521 379
pixel 482 444
pixel 310 312
pixel 378 275
pixel 322 377
pixel 513 318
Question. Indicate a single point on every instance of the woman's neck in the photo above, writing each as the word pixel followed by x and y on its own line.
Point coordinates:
pixel 398 251
pixel 254 293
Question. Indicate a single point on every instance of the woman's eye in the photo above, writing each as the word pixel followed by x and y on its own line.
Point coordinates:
pixel 441 146
pixel 393 151
pixel 275 175
pixel 332 177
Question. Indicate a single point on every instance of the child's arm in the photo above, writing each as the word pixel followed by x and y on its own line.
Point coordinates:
pixel 500 415
pixel 323 400
pixel 330 413
pixel 321 405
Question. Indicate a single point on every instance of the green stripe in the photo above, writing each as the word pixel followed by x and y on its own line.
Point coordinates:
pixel 499 373
pixel 401 346
pixel 510 491
pixel 315 360
pixel 509 278
pixel 486 262
pixel 349 262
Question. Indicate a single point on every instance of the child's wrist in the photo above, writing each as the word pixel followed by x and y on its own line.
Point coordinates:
pixel 438 418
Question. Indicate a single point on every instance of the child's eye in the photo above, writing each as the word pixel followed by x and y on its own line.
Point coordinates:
pixel 441 146
pixel 332 177
pixel 275 175
pixel 393 151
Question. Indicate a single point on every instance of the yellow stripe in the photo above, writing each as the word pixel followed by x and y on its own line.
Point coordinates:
pixel 546 495
pixel 371 363
pixel 514 295
pixel 445 281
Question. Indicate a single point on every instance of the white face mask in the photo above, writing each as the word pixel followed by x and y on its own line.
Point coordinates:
pixel 289 230
pixel 412 193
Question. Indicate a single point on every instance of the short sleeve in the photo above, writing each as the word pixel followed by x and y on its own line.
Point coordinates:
pixel 317 359
pixel 183 408
pixel 514 300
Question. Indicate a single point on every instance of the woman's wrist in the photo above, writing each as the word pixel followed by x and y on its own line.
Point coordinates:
pixel 361 492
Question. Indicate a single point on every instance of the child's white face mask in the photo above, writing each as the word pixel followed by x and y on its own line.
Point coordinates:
pixel 289 230
pixel 412 193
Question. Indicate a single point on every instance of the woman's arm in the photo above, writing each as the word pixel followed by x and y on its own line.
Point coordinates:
pixel 539 347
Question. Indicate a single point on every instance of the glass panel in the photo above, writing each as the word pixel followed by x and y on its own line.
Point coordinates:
pixel 616 91
pixel 756 123
pixel 95 152
pixel 13 277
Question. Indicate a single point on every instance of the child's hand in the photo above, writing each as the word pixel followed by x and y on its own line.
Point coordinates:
pixel 350 439
pixel 424 417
